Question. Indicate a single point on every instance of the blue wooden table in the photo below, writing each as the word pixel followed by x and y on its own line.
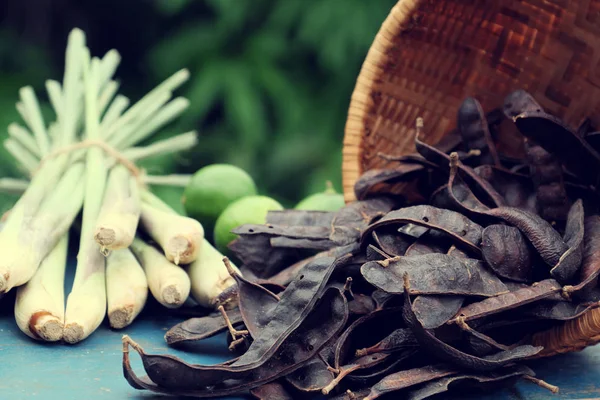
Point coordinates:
pixel 92 369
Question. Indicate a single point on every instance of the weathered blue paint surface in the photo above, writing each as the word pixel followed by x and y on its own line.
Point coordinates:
pixel 92 370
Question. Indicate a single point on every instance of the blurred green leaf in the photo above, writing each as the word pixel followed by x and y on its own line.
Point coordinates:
pixel 171 7
pixel 244 107
pixel 270 81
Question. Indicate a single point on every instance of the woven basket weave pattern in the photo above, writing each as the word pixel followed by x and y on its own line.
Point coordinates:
pixel 431 54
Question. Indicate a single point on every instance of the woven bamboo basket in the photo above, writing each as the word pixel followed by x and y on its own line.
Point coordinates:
pixel 430 54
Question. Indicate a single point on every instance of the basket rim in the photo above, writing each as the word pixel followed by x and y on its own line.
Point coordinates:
pixel 360 101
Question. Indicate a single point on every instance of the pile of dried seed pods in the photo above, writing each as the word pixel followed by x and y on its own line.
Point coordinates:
pixel 411 290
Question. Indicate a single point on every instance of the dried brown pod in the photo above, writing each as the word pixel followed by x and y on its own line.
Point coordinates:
pixel 434 274
pixel 443 351
pixel 506 251
pixel 508 301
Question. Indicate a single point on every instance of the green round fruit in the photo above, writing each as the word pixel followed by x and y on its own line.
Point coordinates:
pixel 329 200
pixel 248 210
pixel 212 189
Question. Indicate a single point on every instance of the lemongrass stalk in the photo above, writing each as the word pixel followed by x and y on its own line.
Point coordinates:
pixel 152 200
pixel 180 237
pixel 106 95
pixel 96 90
pixel 209 276
pixel 40 303
pixel 23 136
pixel 86 304
pixel 173 144
pixel 169 284
pixel 168 180
pixel 13 186
pixel 55 95
pixel 120 212
pixel 25 159
pixel 72 86
pixel 27 237
pixel 167 86
pixel 126 288
pixel 53 133
pixel 108 66
pixel 165 115
pixel 23 113
pixel 114 111
pixel 24 246
pixel 32 108
pixel 47 177
pixel 127 124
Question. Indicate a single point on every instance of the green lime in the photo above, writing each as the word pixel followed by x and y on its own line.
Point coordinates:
pixel 212 189
pixel 249 210
pixel 329 200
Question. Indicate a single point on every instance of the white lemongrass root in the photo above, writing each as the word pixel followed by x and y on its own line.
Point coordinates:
pixel 86 304
pixel 209 276
pixel 25 243
pixel 40 303
pixel 180 237
pixel 120 212
pixel 168 283
pixel 126 288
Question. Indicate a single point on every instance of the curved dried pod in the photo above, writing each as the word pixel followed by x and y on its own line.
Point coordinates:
pixel 443 351
pixel 254 301
pixel 507 253
pixel 473 126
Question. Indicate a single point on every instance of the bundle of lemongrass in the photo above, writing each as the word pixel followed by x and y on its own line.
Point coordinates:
pixel 86 158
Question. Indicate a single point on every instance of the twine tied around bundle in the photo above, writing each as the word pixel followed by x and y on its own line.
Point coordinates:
pixel 136 172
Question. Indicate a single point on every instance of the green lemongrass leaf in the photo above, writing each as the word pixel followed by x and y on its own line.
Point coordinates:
pixel 161 118
pixel 114 111
pixel 55 95
pixel 25 138
pixel 25 159
pixel 106 95
pixel 108 66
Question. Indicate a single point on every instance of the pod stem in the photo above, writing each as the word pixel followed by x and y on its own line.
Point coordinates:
pixel 342 373
pixel 542 383
pixel 234 332
pixel 230 269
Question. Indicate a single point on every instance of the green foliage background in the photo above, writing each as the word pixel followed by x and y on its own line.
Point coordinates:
pixel 270 79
